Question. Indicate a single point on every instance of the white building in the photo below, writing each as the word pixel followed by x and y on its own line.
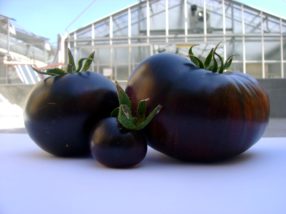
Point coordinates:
pixel 19 49
pixel 121 40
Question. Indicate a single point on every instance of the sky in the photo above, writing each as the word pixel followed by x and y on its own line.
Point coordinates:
pixel 49 18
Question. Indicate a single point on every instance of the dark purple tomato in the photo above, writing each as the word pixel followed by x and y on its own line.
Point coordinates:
pixel 62 111
pixel 114 146
pixel 206 116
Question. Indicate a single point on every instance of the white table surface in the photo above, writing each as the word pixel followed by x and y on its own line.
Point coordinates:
pixel 34 182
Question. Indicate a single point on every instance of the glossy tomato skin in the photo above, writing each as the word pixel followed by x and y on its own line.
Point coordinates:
pixel 61 112
pixel 116 147
pixel 206 116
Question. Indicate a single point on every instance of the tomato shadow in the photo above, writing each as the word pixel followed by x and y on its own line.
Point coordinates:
pixel 152 159
pixel 156 158
pixel 46 156
pixel 95 164
pixel 38 155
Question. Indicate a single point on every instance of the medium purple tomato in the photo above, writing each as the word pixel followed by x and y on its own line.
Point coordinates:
pixel 62 110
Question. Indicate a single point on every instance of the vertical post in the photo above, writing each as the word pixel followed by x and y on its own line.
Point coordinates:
pixel 148 20
pixel 92 41
pixel 97 64
pixel 223 18
pixel 8 37
pixel 243 39
pixel 129 26
pixel 68 42
pixel 92 35
pixel 110 30
pixel 205 21
pixel 74 45
pixel 186 20
pixel 281 49
pixel 111 52
pixel 63 44
pixel 263 45
pixel 8 50
pixel 224 29
pixel 167 20
pixel 129 41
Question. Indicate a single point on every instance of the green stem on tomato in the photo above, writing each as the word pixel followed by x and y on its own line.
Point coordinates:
pixel 211 61
pixel 124 112
pixel 83 65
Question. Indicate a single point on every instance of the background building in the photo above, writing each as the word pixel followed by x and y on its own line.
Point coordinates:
pixel 19 49
pixel 121 40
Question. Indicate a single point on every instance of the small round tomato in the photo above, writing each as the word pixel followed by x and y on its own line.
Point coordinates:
pixel 120 141
pixel 114 146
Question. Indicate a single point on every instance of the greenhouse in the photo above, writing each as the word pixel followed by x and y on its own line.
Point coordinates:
pixel 255 38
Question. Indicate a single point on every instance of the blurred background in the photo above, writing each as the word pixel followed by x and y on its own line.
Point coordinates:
pixel 123 33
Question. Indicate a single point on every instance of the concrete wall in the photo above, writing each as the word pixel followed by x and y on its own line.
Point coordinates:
pixel 16 94
pixel 276 88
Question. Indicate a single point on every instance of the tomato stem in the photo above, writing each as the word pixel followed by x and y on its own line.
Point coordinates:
pixel 211 61
pixel 125 115
pixel 83 65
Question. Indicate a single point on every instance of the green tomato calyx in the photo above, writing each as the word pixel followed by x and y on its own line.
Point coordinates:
pixel 83 65
pixel 125 115
pixel 213 62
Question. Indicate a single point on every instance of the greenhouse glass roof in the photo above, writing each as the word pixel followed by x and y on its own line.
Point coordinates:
pixel 174 25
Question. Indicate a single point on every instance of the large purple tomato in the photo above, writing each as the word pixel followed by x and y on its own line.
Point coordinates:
pixel 206 116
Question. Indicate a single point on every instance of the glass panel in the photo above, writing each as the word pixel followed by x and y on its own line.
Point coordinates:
pixel 253 49
pixel 234 47
pixel 272 49
pixel 120 24
pixel 271 24
pixel 159 48
pixel 284 65
pixel 157 17
pixel 236 66
pixel 122 40
pixel 175 40
pixel 138 54
pixel 284 47
pixel 83 43
pixel 122 72
pixel 78 53
pixel 176 18
pixel 252 21
pixel 138 20
pixel 138 40
pixel 3 70
pixel 214 18
pixel 121 55
pixel 273 70
pixel 233 19
pixel 284 26
pixel 101 29
pixel 107 71
pixel 254 69
pixel 84 33
pixel 104 56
